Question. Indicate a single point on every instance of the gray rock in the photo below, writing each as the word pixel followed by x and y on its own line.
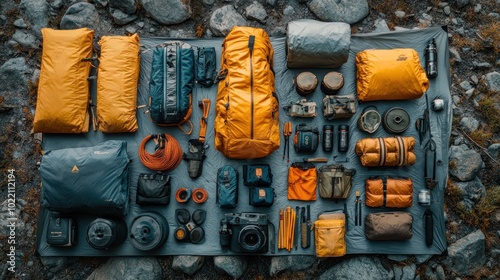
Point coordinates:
pixel 494 15
pixel 208 2
pixel 256 11
pixel 234 266
pixel 176 11
pixel 468 163
pixel 467 254
pixel 399 14
pixel 442 4
pixel 447 10
pixel 103 3
pixel 481 65
pixel 140 24
pixel 80 15
pixel 120 17
pixel 381 26
pixel 13 75
pixel 365 268
pixel 57 264
pixel 131 30
pixel 474 79
pixel 472 191
pixel 271 2
pixel 455 54
pixel 339 11
pixel 19 23
pixel 427 16
pixel 494 150
pixel 404 272
pixel 469 124
pixel 56 4
pixel 36 12
pixel 422 258
pixel 477 8
pixel 279 31
pixel 291 263
pixel 188 264
pixel 126 6
pixel 397 258
pixel 26 39
pixel 289 11
pixel 469 92
pixel 128 268
pixel 224 19
pixel 462 3
pixel 465 85
pixel 6 214
pixel 493 81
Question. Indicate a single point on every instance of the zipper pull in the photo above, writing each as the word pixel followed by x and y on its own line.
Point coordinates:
pixel 251 42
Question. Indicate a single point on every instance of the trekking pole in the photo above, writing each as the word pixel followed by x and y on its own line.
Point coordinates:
pixel 287 131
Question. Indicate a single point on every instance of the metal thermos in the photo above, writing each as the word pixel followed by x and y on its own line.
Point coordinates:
pixel 424 197
pixel 343 138
pixel 327 138
pixel 431 59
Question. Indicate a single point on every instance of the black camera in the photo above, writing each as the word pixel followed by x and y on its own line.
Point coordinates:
pixel 245 232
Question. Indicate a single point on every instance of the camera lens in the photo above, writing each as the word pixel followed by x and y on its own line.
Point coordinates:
pixel 252 238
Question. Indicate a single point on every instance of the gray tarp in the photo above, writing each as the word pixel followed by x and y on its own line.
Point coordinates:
pixel 356 241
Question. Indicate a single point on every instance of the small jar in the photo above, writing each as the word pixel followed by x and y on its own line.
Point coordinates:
pixel 424 198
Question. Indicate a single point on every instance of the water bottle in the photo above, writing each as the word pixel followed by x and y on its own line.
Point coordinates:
pixel 343 138
pixel 431 59
pixel 327 138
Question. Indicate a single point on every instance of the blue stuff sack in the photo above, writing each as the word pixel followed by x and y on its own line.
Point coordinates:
pixel 261 196
pixel 227 187
pixel 257 175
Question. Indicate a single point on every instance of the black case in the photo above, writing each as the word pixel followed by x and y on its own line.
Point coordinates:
pixel 61 231
pixel 153 189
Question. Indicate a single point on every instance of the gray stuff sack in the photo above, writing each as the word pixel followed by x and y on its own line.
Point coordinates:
pixel 89 179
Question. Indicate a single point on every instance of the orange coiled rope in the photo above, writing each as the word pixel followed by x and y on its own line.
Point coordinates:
pixel 167 155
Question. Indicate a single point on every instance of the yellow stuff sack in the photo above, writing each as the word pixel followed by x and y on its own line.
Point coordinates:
pixel 117 83
pixel 63 90
pixel 390 75
pixel 329 235
pixel 247 109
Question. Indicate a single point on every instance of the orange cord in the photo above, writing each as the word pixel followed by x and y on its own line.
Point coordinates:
pixel 167 155
pixel 199 195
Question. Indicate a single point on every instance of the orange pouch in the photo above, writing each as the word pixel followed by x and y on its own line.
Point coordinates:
pixel 302 181
pixel 390 192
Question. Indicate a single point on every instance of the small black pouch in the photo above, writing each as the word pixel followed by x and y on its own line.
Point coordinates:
pixel 60 231
pixel 257 175
pixel 261 196
pixel 153 189
pixel 206 66
pixel 227 187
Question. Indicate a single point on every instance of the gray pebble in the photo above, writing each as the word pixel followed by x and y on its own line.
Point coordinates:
pixel 474 79
pixel 447 10
pixel 399 14
pixel 131 30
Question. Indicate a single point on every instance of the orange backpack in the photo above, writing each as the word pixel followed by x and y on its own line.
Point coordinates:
pixel 247 109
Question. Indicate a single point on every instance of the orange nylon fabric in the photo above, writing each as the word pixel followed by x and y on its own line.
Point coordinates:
pixel 302 183
pixel 329 237
pixel 117 83
pixel 247 109
pixel 395 151
pixel 399 192
pixel 390 75
pixel 63 90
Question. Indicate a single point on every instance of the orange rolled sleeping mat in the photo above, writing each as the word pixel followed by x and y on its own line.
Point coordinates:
pixel 167 155
pixel 390 151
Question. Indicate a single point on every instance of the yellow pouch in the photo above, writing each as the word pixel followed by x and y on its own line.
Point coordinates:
pixel 329 236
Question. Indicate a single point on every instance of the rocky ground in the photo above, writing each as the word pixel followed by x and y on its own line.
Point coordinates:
pixel 472 195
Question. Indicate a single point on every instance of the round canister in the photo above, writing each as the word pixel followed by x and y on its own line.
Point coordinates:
pixel 369 121
pixel 424 197
pixel 332 83
pixel 396 120
pixel 305 83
